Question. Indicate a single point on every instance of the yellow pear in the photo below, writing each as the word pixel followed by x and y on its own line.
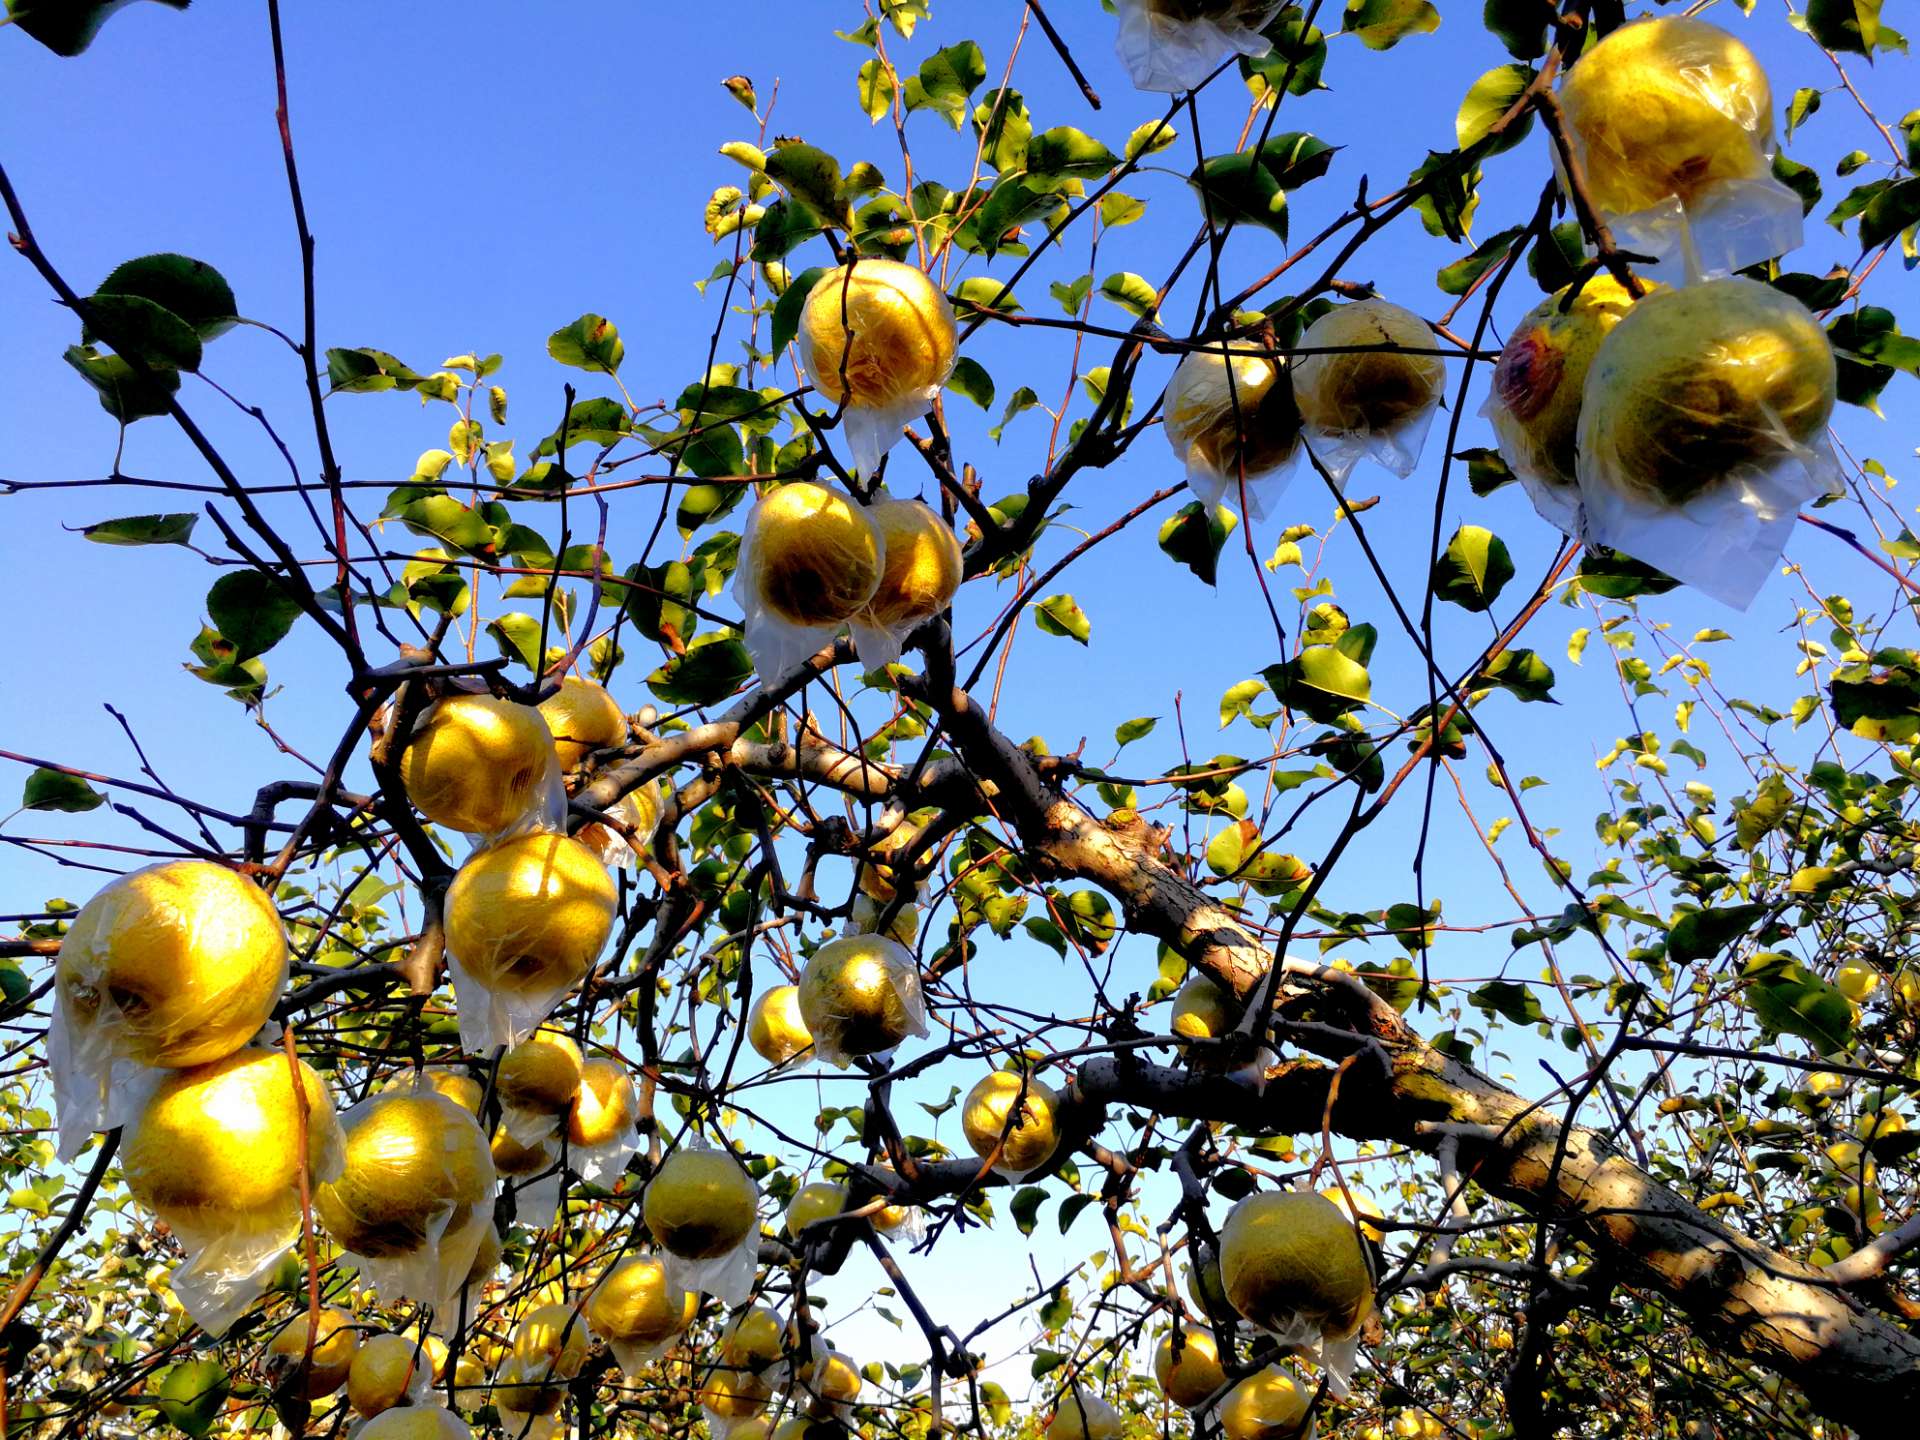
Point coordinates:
pixel 335 1344
pixel 700 1204
pixel 732 1394
pixel 477 763
pixel 814 555
pixel 920 566
pixel 510 1157
pixel 876 332
pixel 583 718
pixel 1226 412
pixel 383 1370
pixel 466 1092
pixel 606 1106
pixel 864 918
pixel 1203 1010
pixel 1856 980
pixel 486 1258
pixel 752 1339
pixel 833 1379
pixel 417 1167
pixel 1365 391
pixel 552 1339
pixel 1190 1376
pixel 1080 1416
pixel 1364 1208
pixel 850 994
pixel 541 1073
pixel 989 1113
pixel 525 1387
pixel 1292 1254
pixel 530 913
pixel 635 1303
pixel 818 1201
pixel 418 1422
pixel 776 1029
pixel 1270 1404
pixel 187 960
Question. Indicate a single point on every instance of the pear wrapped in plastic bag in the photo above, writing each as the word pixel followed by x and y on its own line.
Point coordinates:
pixel 1014 1120
pixel 920 569
pixel 1172 45
pixel 601 1133
pixel 1293 1264
pixel 215 1152
pixel 639 1311
pixel 168 967
pixel 1671 122
pixel 878 339
pixel 810 560
pixel 626 844
pixel 701 1208
pixel 484 766
pixel 1230 417
pixel 860 996
pixel 1703 432
pixel 1367 382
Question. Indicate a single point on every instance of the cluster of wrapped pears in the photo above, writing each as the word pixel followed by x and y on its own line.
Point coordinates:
pixel 857 996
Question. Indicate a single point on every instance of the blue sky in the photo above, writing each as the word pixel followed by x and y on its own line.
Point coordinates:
pixel 476 180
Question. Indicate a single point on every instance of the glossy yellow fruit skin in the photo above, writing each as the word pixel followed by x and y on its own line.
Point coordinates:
pixel 1202 1010
pixel 419 1422
pixel 510 1157
pixel 1223 414
pixel 383 1370
pixel 541 1073
pixel 583 718
pixel 335 1345
pixel 1270 1404
pixel 752 1340
pixel 776 1030
pixel 992 1102
pixel 635 1303
pixel 733 1394
pixel 463 1090
pixel 1364 392
pixel 1080 1416
pixel 876 333
pixel 834 1380
pixel 814 554
pixel 477 763
pixel 552 1337
pixel 920 565
pixel 605 1108
pixel 812 1203
pixel 524 1387
pixel 416 1167
pixel 1666 107
pixel 850 998
pixel 1698 383
pixel 220 1143
pixel 1289 1258
pixel 1542 373
pixel 700 1204
pixel 185 959
pixel 1857 980
pixel 1192 1378
pixel 1368 1210
pixel 530 912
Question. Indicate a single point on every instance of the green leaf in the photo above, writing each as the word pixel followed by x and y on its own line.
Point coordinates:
pixel 1557 265
pixel 1473 570
pixel 1088 917
pixel 811 176
pixel 1851 25
pixel 947 77
pixel 253 610
pixel 124 393
pixel 712 669
pixel 1252 186
pixel 1889 212
pixel 1803 180
pixel 518 636
pixel 788 309
pixel 143 331
pixel 1021 400
pixel 1449 193
pixel 1704 934
pixel 785 224
pixel 1487 469
pixel 1132 293
pixel 54 790
pixel 1508 1000
pixel 1295 62
pixel 1025 1207
pixel 1010 204
pixel 67 27
pixel 363 371
pixel 142 530
pixel 1522 672
pixel 970 378
pixel 1005 128
pixel 1150 138
pixel 1062 154
pixel 986 293
pixel 876 90
pixel 1789 999
pixel 1238 700
pixel 589 343
pixel 1138 728
pixel 1490 97
pixel 188 288
pixel 1322 683
pixel 1613 576
pixel 1195 537
pixel 1801 108
pixel 599 421
pixel 1382 24
pixel 1071 296
pixel 661 600
pixel 1117 209
pixel 1459 277
pixel 1062 615
pixel 1520 25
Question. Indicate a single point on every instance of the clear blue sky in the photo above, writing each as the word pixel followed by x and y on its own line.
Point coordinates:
pixel 478 178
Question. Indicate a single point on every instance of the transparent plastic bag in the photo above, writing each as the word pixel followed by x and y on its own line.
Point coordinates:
pixel 860 996
pixel 414 1199
pixel 639 1312
pixel 1231 408
pixel 638 810
pixel 528 1398
pixel 601 1133
pixel 1377 404
pixel 701 1208
pixel 1172 45
pixel 213 1151
pixel 1032 1139
pixel 879 335
pixel 537 1082
pixel 1271 1401
pixel 810 559
pixel 1671 120
pixel 777 1030
pixel 390 1371
pixel 1293 1265
pixel 408 1424
pixel 526 917
pixel 484 766
pixel 1703 432
pixel 920 570
pixel 171 966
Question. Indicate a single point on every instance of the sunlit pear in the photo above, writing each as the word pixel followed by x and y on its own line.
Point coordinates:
pixel 552 1338
pixel 1857 980
pixel 812 1203
pixel 186 960
pixel 1230 412
pixel 1878 1124
pixel 1348 392
pixel 583 718
pixel 1542 373
pixel 833 1379
pixel 1270 1404
pixel 876 333
pixel 606 1106
pixel 1288 1255
pixel 775 1028
pixel 476 763
pixel 541 1073
pixel 881 870
pixel 1203 1010
pixel 418 1422
pixel 814 557
pixel 636 1304
pixel 384 1368
pixel 218 1146
pixel 510 1157
pixel 700 1204
pixel 732 1394
pixel 1665 107
pixel 525 1387
pixel 920 564
pixel 752 1339
pixel 1848 1157
pixel 1700 383
pixel 486 1258
pixel 1015 1116
pixel 530 912
pixel 1364 1208
pixel 466 1092
pixel 1406 1423
pixel 1205 1288
pixel 417 1166
pixel 1501 1339
pixel 864 918
pixel 335 1344
pixel 850 994
pixel 1827 1083
pixel 470 1381
pixel 1078 1415
pixel 1190 1376
pixel 1906 988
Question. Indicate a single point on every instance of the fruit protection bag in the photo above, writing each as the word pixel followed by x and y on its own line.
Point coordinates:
pixel 1703 432
pixel 1367 384
pixel 799 590
pixel 528 1394
pixel 920 569
pixel 1172 45
pixel 835 1026
pixel 636 1347
pixel 728 1277
pixel 515 801
pixel 174 965
pixel 415 1195
pixel 1230 410
pixel 638 810
pixel 600 1162
pixel 1671 121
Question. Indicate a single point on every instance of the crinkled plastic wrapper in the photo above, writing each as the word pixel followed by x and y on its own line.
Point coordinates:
pixel 729 1276
pixel 1703 432
pixel 835 1032
pixel 634 1350
pixel 920 569
pixel 118 1021
pixel 1173 45
pixel 881 336
pixel 1372 404
pixel 403 1420
pixel 1671 120
pixel 543 804
pixel 1229 414
pixel 798 590
pixel 517 1381
pixel 639 810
